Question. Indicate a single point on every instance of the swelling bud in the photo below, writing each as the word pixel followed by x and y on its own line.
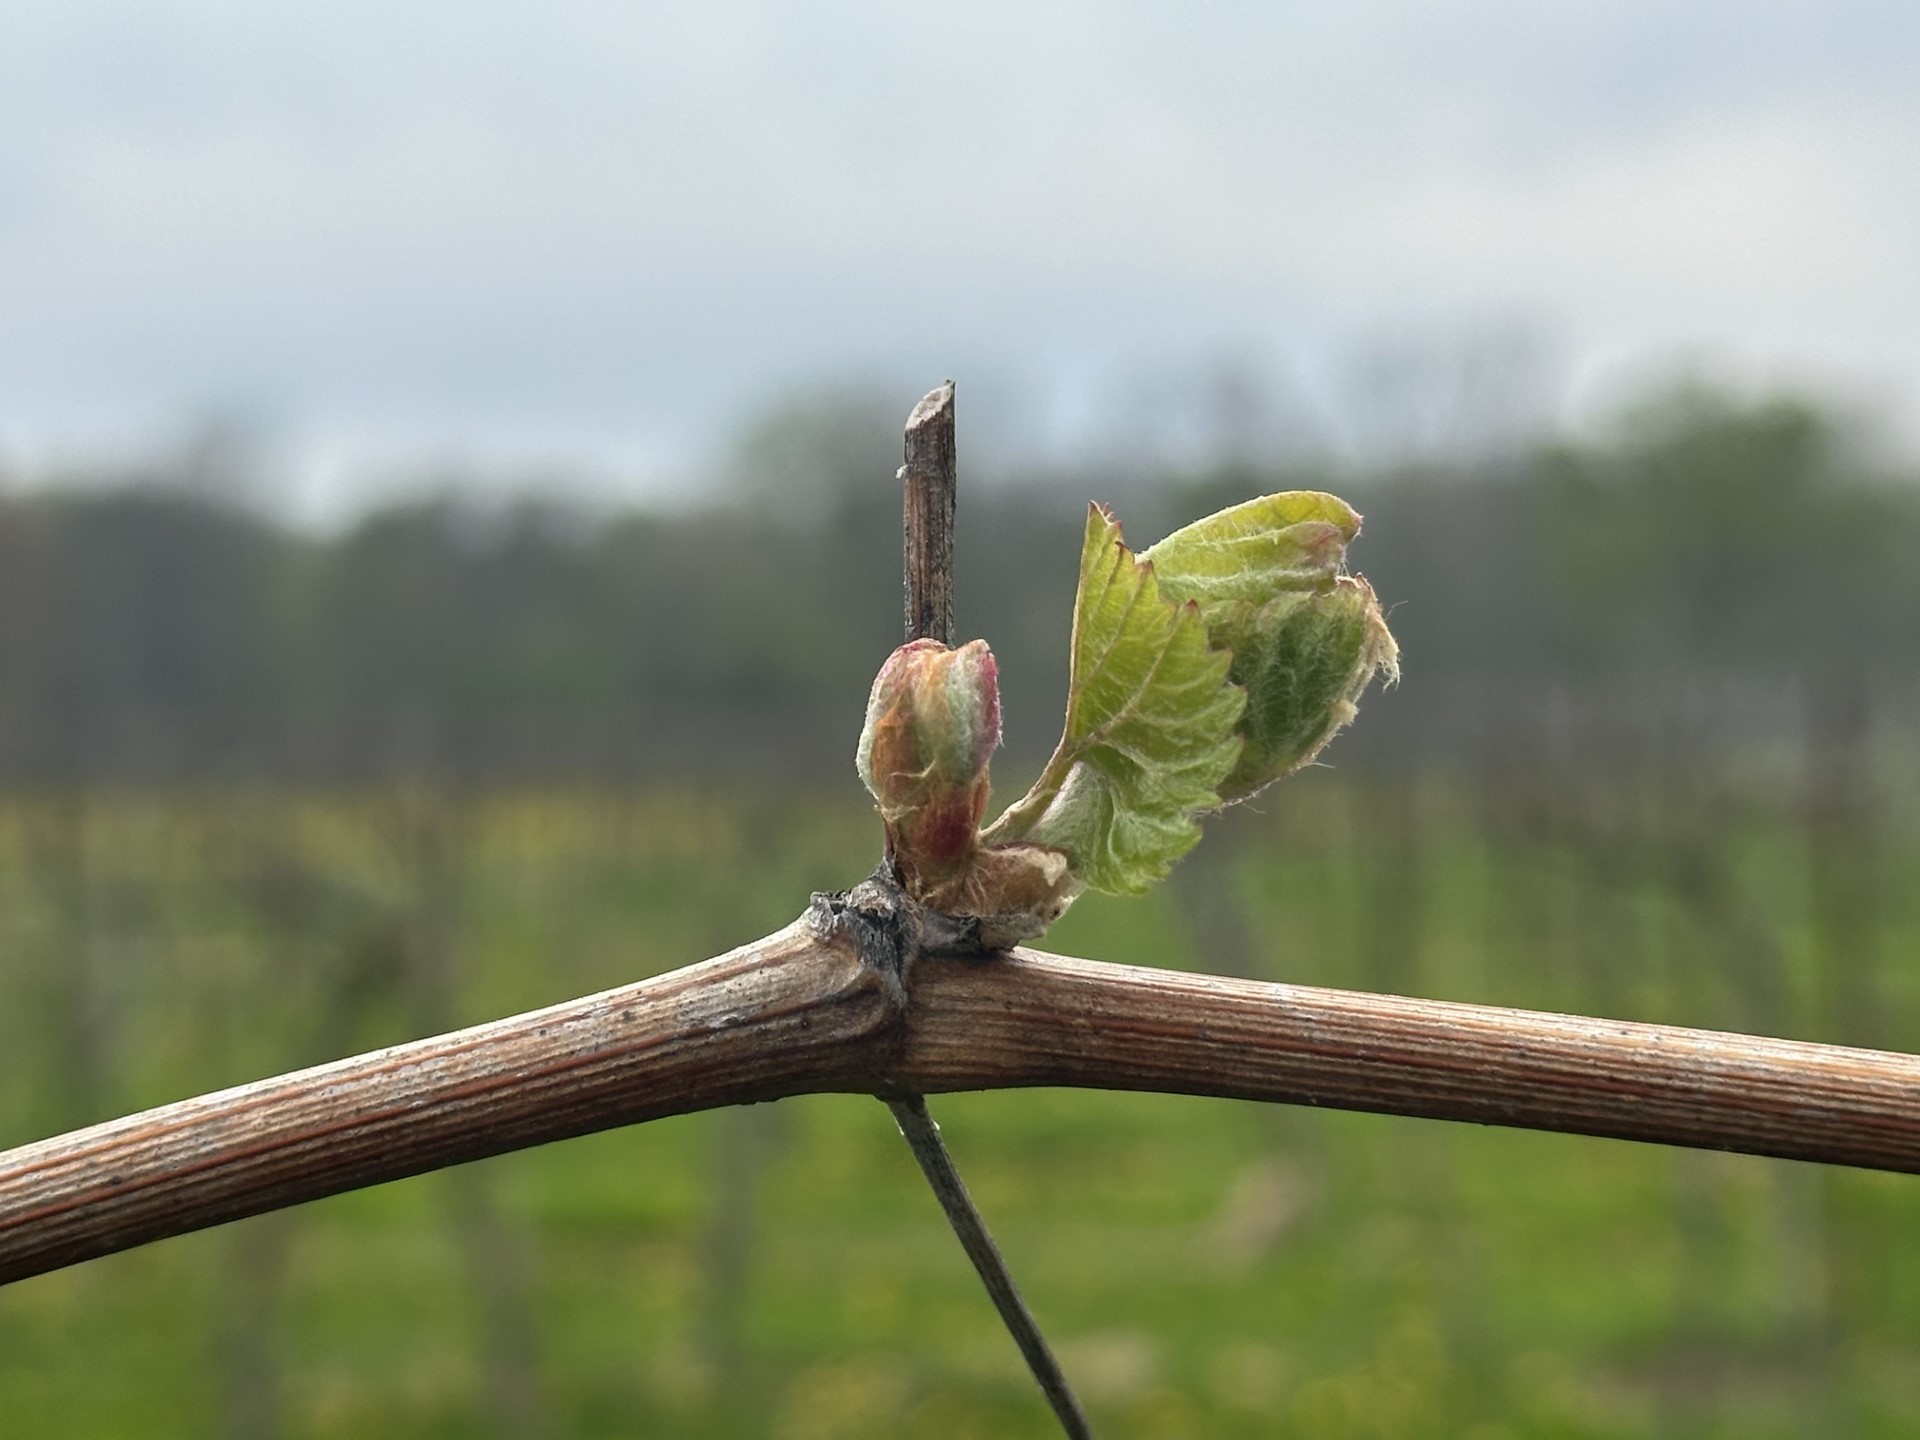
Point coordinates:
pixel 933 722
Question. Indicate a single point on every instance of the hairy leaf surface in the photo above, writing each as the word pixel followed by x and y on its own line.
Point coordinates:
pixel 1149 732
pixel 1269 578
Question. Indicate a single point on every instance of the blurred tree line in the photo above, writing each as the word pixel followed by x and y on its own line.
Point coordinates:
pixel 1728 552
pixel 1564 807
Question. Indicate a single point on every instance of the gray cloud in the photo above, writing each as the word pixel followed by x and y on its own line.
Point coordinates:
pixel 606 227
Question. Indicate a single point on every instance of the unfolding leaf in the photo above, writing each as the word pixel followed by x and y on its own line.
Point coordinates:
pixel 1149 733
pixel 1306 638
pixel 1293 541
pixel 1226 656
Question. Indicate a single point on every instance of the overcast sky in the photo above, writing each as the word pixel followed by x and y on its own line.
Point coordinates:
pixel 600 233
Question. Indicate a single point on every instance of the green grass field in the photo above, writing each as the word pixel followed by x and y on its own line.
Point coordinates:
pixel 1207 1269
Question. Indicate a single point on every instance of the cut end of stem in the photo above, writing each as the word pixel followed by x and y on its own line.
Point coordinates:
pixel 932 406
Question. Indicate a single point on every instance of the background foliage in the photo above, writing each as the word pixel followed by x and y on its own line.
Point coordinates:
pixel 270 797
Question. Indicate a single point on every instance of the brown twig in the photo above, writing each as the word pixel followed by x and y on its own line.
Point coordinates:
pixel 929 482
pixel 929 491
pixel 746 1026
pixel 800 1013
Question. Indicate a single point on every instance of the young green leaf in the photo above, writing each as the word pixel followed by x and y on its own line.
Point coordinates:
pixel 1306 638
pixel 1223 658
pixel 1291 542
pixel 1149 733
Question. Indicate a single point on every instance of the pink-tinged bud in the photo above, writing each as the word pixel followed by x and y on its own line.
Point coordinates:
pixel 933 722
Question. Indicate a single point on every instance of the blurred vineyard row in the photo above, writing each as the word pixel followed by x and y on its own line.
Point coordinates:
pixel 269 797
pixel 779 1271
